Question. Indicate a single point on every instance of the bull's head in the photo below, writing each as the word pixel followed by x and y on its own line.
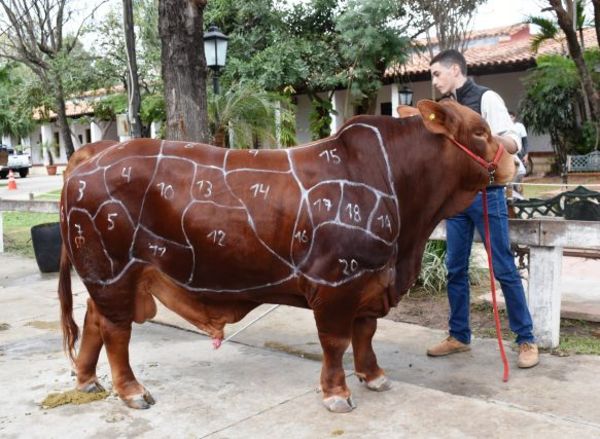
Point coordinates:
pixel 465 126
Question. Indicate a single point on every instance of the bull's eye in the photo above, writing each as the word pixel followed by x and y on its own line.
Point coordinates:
pixel 479 133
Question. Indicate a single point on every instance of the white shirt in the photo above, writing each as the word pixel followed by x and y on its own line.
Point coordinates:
pixel 494 111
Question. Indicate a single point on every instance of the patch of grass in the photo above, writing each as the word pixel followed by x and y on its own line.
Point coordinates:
pixel 17 230
pixel 50 196
pixel 578 344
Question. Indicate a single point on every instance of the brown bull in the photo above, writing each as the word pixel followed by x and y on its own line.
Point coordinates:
pixel 337 226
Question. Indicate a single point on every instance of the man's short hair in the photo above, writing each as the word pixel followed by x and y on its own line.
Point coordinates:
pixel 449 57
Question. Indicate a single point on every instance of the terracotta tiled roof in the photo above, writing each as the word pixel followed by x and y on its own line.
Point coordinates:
pixel 81 105
pixel 512 46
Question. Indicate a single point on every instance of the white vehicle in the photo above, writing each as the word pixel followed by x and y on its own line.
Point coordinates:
pixel 17 162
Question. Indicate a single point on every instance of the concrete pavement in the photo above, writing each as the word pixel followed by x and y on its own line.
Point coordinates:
pixel 263 384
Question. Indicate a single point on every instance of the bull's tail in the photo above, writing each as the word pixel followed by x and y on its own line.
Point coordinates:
pixel 65 295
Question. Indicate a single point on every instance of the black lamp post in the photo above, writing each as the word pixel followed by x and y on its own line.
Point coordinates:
pixel 215 51
pixel 405 96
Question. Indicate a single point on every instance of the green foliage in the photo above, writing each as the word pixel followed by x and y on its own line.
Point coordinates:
pixel 320 118
pixel 108 107
pixel 15 115
pixel 550 103
pixel 371 47
pixel 153 108
pixel 433 267
pixel 247 113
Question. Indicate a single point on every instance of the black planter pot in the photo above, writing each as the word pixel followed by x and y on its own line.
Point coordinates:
pixel 46 246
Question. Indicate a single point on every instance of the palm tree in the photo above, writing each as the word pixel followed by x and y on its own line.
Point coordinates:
pixel 245 116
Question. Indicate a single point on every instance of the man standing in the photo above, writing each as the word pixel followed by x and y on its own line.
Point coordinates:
pixel 449 76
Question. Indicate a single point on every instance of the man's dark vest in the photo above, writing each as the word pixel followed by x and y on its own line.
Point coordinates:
pixel 470 95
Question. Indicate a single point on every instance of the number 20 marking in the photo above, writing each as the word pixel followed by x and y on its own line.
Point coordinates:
pixel 349 267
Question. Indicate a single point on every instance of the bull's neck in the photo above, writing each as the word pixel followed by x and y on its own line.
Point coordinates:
pixel 433 181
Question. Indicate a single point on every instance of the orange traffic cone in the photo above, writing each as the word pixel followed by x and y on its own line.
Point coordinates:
pixel 12 183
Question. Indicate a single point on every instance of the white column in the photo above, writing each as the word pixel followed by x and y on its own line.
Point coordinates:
pixel 395 100
pixel 337 102
pixel 47 139
pixel 96 132
pixel 155 129
pixel 545 265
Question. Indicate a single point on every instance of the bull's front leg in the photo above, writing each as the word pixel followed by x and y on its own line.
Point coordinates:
pixel 335 334
pixel 365 361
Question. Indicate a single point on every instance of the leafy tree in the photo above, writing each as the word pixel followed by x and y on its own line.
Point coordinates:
pixel 553 104
pixel 450 19
pixel 15 116
pixel 35 36
pixel 563 9
pixel 368 49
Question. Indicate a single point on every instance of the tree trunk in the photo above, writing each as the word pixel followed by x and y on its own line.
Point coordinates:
pixel 61 113
pixel 596 4
pixel 133 89
pixel 565 21
pixel 184 69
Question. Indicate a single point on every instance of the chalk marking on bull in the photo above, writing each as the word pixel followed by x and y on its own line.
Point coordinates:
pixel 187 239
pixel 126 173
pixel 304 196
pixel 349 266
pixel 143 203
pixel 353 227
pixel 339 209
pixel 266 171
pixel 372 214
pixel 253 152
pixel 162 238
pixel 246 326
pixel 157 250
pixel 218 236
pixel 304 201
pixel 331 156
pixel 389 169
pixel 80 239
pixel 353 210
pixel 166 190
pixel 253 227
pixel 209 186
pixel 260 188
pixel 111 201
pixel 353 184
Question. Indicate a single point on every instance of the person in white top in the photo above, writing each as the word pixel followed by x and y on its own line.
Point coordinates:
pixel 449 76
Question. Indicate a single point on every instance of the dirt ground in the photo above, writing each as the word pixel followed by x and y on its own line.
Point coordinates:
pixel 431 310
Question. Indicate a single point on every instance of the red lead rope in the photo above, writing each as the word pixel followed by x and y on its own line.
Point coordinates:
pixel 491 168
pixel 488 247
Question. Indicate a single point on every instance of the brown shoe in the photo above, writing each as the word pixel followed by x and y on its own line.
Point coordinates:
pixel 448 346
pixel 528 355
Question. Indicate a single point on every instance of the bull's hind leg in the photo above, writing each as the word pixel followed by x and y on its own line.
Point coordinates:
pixel 365 361
pixel 116 339
pixel 89 350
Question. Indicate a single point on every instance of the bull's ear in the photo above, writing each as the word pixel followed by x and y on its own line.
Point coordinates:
pixel 437 118
pixel 407 111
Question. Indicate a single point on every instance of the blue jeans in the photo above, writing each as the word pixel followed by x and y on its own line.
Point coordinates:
pixel 460 229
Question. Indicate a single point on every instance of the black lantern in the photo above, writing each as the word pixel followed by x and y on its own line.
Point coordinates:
pixel 215 51
pixel 405 96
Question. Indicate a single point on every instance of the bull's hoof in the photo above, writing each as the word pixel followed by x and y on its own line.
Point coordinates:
pixel 91 387
pixel 337 404
pixel 140 402
pixel 380 384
